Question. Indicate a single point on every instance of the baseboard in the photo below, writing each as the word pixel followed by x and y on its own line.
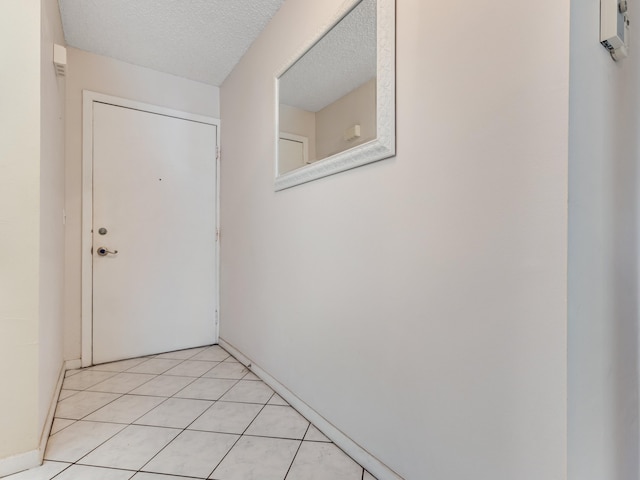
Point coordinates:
pixel 351 448
pixel 73 364
pixel 20 462
pixel 34 458
pixel 46 429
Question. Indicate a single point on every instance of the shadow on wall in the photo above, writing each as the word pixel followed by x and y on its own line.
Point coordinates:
pixel 625 308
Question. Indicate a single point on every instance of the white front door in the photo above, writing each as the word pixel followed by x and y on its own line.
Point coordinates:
pixel 154 203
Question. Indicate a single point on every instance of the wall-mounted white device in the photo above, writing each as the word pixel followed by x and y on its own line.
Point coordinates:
pixel 352 133
pixel 60 59
pixel 614 27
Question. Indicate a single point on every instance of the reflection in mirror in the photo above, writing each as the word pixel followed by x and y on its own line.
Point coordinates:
pixel 329 95
pixel 329 98
pixel 293 150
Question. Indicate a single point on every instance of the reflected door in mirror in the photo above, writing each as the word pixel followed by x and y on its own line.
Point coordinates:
pixel 294 152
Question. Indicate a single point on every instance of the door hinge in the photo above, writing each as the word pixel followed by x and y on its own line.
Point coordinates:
pixel 217 317
pixel 217 234
pixel 218 153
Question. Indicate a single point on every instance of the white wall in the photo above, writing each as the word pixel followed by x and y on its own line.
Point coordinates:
pixel 19 224
pixel 31 230
pixel 425 311
pixel 603 253
pixel 106 75
pixel 51 206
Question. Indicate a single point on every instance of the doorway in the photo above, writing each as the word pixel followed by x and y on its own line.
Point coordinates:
pixel 150 251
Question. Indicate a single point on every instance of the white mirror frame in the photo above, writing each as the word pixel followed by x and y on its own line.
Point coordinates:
pixel 384 145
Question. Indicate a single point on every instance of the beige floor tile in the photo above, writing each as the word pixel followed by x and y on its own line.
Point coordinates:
pixel 46 471
pixel 323 461
pixel 315 435
pixel 122 382
pixel 175 413
pixel 184 456
pixel 126 409
pixel 75 441
pixel 163 386
pixel 233 371
pixel 206 389
pixel 256 458
pixel 182 354
pixel 155 476
pixel 249 391
pixel 279 421
pixel 131 448
pixel 154 366
pixel 191 368
pixel 59 424
pixel 85 379
pixel 277 400
pixel 119 366
pixel 213 354
pixel 126 421
pixel 82 472
pixel 82 404
pixel 227 417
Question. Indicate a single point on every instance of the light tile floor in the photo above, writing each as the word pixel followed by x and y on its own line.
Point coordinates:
pixel 194 413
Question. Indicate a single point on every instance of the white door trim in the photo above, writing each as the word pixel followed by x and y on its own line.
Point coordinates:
pixel 88 100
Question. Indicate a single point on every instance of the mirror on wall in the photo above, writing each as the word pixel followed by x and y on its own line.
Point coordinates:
pixel 336 99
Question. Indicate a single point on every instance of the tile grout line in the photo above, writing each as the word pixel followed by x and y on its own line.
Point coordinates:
pixel 215 401
pixel 155 375
pixel 239 436
pixel 95 466
pixel 58 431
pixel 216 364
pixel 298 450
pixel 87 389
pixel 105 441
pixel 92 450
pixel 185 429
pixel 165 399
pixel 63 470
pixel 84 418
pixel 120 395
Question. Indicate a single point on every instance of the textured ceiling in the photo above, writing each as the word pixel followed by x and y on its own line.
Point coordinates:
pixel 198 39
pixel 344 59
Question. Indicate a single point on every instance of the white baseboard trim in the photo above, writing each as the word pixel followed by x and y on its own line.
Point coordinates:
pixel 73 364
pixel 46 429
pixel 20 462
pixel 351 448
pixel 34 458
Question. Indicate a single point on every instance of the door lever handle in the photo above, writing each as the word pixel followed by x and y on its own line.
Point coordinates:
pixel 103 251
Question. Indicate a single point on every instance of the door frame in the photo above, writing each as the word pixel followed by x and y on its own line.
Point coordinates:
pixel 89 98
